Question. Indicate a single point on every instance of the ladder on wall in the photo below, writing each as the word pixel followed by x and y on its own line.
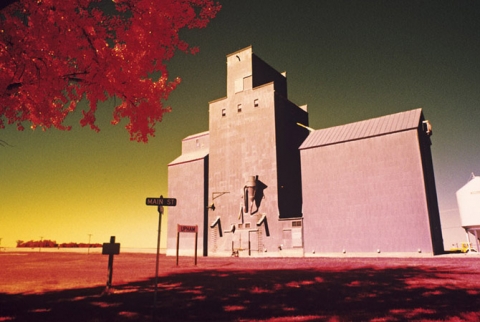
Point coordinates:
pixel 214 239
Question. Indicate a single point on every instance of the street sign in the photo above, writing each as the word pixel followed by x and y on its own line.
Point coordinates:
pixel 111 249
pixel 187 229
pixel 171 202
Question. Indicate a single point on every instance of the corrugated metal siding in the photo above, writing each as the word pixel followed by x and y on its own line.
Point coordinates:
pixel 363 129
pixel 367 194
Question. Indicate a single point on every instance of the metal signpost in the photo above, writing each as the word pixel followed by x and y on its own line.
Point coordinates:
pixel 160 203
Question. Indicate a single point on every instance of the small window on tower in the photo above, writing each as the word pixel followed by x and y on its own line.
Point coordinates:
pixel 224 112
pixel 247 225
pixel 239 108
pixel 255 103
pixel 297 223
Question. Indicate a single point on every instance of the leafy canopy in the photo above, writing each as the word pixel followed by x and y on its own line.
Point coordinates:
pixel 54 53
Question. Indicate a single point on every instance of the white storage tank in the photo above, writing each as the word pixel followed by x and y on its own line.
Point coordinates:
pixel 468 199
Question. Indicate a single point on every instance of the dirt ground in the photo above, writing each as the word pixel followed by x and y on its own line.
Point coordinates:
pixel 38 286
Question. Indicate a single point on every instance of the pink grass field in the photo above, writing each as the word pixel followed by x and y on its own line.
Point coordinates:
pixel 41 286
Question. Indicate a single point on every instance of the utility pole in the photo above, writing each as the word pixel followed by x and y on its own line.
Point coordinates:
pixel 89 237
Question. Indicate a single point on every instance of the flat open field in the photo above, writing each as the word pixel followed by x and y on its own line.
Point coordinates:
pixel 70 287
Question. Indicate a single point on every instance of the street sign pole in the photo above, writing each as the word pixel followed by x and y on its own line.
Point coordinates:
pixel 160 212
pixel 159 202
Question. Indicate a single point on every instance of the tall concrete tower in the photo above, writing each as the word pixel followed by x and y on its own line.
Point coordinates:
pixel 254 163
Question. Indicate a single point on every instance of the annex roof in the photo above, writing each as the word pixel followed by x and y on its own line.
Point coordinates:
pixel 197 135
pixel 189 157
pixel 368 128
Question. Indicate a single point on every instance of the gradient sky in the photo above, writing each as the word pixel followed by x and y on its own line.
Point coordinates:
pixel 348 60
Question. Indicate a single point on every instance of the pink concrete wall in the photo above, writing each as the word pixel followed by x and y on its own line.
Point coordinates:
pixel 253 133
pixel 186 183
pixel 365 195
pixel 242 144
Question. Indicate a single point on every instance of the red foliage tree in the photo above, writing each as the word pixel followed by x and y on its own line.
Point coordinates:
pixel 54 53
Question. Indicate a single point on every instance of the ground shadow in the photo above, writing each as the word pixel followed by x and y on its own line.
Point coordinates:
pixel 362 294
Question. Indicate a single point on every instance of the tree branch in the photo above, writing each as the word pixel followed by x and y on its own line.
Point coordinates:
pixel 6 3
pixel 4 143
pixel 13 86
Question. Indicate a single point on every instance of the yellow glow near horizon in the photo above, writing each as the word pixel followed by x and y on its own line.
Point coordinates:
pixel 347 62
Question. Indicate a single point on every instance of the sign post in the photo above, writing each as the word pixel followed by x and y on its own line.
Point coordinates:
pixel 187 229
pixel 160 203
pixel 110 249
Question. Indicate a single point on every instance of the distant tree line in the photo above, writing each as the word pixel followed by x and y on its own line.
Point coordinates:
pixel 46 243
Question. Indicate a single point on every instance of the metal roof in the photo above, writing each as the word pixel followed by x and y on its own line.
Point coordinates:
pixel 189 157
pixel 192 155
pixel 364 129
pixel 197 135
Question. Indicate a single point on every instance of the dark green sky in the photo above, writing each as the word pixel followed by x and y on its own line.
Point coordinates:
pixel 347 60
